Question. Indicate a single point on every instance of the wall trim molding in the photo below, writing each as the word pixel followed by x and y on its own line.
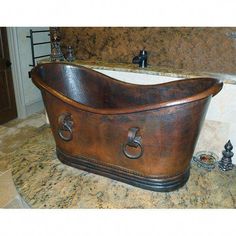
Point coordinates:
pixel 16 71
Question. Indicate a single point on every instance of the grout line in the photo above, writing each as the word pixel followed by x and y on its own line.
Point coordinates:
pixel 15 198
pixel 4 172
pixel 8 202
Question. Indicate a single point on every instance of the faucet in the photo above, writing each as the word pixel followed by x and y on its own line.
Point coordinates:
pixel 141 59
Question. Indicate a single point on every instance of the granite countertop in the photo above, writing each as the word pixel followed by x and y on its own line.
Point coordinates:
pixel 153 70
pixel 44 182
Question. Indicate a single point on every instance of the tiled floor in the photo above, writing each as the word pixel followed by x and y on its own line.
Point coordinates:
pixel 12 135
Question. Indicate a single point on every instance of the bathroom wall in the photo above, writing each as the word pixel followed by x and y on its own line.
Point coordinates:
pixel 195 49
pixel 21 57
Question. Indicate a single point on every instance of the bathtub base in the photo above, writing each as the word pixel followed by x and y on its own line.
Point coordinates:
pixel 157 184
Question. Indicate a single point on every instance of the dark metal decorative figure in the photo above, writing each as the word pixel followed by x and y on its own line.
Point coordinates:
pixel 225 163
pixel 56 53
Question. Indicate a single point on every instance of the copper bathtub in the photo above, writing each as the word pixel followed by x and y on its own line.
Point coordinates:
pixel 143 135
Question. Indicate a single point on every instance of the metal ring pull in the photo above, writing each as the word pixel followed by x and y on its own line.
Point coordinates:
pixel 65 126
pixel 133 141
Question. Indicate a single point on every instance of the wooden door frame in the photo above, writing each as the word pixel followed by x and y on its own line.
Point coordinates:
pixel 16 71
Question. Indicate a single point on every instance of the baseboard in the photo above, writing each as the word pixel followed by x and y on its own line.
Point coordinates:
pixel 37 106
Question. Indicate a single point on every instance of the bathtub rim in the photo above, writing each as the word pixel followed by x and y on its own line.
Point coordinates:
pixel 212 91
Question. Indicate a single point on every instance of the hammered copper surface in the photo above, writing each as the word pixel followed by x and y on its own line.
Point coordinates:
pixel 102 110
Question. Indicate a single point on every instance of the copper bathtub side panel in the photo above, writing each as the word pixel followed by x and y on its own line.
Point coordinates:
pixel 168 136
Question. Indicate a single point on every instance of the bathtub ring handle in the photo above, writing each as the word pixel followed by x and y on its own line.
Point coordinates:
pixel 65 126
pixel 133 141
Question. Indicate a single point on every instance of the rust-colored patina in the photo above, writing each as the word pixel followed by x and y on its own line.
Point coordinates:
pixel 143 135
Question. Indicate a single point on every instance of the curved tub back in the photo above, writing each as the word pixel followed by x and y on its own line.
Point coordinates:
pixel 96 92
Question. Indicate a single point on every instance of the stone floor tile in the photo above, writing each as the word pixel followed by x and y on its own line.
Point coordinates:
pixel 16 203
pixel 7 188
pixel 4 163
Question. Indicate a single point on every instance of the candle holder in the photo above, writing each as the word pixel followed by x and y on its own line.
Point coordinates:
pixel 70 54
